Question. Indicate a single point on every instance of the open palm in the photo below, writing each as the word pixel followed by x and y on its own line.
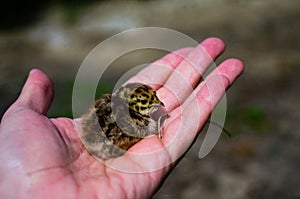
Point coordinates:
pixel 44 158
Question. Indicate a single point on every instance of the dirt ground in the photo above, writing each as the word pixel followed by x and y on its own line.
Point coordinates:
pixel 262 159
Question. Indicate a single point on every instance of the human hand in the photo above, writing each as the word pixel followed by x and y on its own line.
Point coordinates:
pixel 44 158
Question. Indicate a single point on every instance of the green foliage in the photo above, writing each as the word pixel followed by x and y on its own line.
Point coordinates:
pixel 251 118
pixel 103 88
pixel 62 103
pixel 72 9
pixel 254 115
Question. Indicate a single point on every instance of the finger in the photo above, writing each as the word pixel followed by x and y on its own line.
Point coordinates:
pixel 37 92
pixel 158 72
pixel 227 69
pixel 189 72
pixel 181 131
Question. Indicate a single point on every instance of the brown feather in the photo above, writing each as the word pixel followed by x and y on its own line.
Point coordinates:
pixel 119 120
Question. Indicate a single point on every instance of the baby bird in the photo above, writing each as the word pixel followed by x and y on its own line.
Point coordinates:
pixel 119 120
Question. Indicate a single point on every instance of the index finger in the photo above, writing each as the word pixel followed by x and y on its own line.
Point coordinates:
pixel 189 72
pixel 158 72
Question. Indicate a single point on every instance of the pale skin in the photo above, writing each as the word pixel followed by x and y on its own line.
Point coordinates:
pixel 43 157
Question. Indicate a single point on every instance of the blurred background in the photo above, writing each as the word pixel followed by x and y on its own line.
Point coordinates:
pixel 261 160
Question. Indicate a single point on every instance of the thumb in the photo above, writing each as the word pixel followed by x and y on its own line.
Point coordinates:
pixel 37 93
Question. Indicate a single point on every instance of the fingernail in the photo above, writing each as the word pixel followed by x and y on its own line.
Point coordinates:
pixel 33 71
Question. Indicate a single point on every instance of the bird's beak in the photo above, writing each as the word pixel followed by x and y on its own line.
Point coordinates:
pixel 158 111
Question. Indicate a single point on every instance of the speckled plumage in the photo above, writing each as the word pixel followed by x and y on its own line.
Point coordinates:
pixel 119 120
